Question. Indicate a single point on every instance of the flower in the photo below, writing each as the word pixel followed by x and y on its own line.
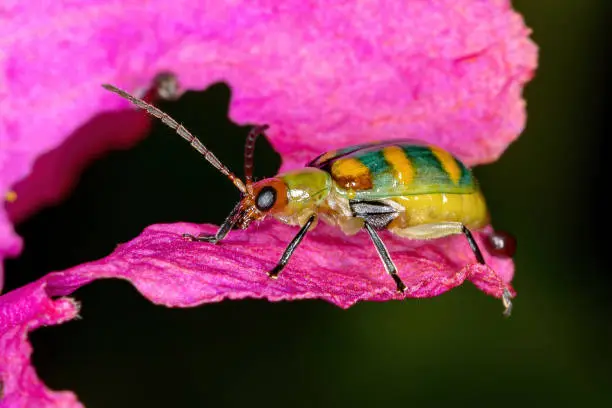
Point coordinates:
pixel 23 310
pixel 173 272
pixel 449 72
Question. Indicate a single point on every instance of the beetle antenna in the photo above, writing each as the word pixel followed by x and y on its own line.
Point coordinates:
pixel 181 131
pixel 249 150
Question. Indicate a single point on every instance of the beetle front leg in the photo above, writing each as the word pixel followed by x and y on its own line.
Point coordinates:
pixel 385 257
pixel 291 248
pixel 225 228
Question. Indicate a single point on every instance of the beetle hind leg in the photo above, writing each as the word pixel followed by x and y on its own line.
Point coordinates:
pixel 444 229
pixel 507 301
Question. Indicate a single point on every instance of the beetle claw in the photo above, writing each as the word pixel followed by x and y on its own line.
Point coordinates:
pixel 401 288
pixel 507 301
pixel 272 274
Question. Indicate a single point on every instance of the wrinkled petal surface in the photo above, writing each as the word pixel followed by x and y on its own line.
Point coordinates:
pixel 173 272
pixel 327 265
pixel 449 72
pixel 21 311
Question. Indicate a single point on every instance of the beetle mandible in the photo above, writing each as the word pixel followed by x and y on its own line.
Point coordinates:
pixel 412 189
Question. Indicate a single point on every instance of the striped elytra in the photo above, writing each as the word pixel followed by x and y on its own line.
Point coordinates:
pixel 399 168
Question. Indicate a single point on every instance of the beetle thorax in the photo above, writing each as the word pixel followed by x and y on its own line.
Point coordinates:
pixel 294 196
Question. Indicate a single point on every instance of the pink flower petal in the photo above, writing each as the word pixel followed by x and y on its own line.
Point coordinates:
pixel 449 72
pixel 106 132
pixel 328 265
pixel 21 311
pixel 171 271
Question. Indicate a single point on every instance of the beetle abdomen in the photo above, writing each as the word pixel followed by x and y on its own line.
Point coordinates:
pixel 468 209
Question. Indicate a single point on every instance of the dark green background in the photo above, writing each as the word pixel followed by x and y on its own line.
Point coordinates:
pixel 455 349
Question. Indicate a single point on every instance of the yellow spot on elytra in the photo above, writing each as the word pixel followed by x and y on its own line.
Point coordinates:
pixel 401 164
pixel 349 167
pixel 10 196
pixel 448 162
pixel 351 174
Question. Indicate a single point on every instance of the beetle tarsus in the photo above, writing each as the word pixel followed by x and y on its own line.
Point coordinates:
pixel 401 287
pixel 224 229
pixel 507 301
pixel 201 238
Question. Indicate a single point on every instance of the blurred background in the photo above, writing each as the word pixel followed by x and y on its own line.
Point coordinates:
pixel 456 349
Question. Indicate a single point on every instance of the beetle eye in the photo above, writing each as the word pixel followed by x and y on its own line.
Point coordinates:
pixel 266 198
pixel 501 244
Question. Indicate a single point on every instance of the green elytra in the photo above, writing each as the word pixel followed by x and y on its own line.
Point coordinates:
pixel 430 174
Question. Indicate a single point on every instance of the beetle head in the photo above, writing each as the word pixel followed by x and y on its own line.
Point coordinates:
pixel 268 196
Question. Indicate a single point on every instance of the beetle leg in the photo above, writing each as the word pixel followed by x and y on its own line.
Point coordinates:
pixel 473 244
pixel 227 225
pixel 291 248
pixel 386 259
pixel 442 229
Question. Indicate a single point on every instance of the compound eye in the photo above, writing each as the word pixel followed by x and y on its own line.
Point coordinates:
pixel 501 244
pixel 266 198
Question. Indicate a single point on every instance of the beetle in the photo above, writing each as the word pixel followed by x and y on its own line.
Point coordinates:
pixel 415 190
